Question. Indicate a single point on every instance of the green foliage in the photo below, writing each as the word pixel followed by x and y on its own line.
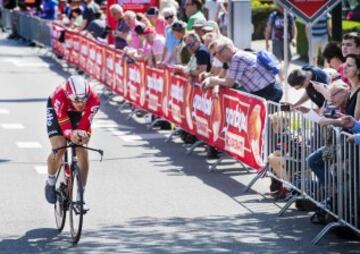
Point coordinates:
pixel 260 15
pixel 350 26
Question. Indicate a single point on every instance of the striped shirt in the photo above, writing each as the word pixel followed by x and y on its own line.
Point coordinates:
pixel 320 28
pixel 247 73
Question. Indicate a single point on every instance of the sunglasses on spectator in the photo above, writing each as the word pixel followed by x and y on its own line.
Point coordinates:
pixel 169 17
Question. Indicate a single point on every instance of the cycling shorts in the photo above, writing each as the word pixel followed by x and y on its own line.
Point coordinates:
pixel 53 127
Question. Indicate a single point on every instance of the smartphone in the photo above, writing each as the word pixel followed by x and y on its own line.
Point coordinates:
pixel 285 107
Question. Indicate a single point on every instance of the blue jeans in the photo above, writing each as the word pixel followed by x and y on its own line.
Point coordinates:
pixel 271 92
pixel 317 164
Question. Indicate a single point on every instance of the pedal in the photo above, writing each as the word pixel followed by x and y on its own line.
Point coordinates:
pixel 77 209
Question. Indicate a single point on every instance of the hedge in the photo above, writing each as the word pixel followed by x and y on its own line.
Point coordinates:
pixel 260 16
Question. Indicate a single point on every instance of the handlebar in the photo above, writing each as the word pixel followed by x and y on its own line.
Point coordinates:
pixel 70 144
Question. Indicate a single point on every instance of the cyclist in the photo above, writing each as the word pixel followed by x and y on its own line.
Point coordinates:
pixel 70 111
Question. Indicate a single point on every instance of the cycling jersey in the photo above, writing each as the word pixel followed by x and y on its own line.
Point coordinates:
pixel 64 108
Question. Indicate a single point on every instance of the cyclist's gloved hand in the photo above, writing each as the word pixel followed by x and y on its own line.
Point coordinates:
pixel 83 137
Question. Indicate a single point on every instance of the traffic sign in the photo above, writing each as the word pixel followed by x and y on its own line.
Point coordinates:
pixel 308 10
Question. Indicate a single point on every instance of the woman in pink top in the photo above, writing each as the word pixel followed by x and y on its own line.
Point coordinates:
pixel 158 22
pixel 130 19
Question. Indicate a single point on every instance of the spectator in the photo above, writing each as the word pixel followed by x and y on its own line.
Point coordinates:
pixel 168 4
pixel 339 94
pixel 352 72
pixel 275 31
pixel 211 9
pixel 211 26
pixel 157 21
pixel 77 18
pixel 97 28
pixel 223 18
pixel 153 48
pixel 351 44
pixel 48 9
pixel 200 59
pixel 244 73
pixel 334 57
pixel 132 22
pixel 181 54
pixel 193 12
pixel 143 19
pixel 198 25
pixel 170 39
pixel 302 79
pixel 319 33
pixel 122 31
pixel 89 13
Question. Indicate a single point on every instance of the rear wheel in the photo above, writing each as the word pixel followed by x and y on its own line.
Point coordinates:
pixel 76 208
pixel 61 201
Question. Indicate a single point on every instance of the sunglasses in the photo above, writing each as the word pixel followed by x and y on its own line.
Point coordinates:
pixel 169 17
pixel 75 99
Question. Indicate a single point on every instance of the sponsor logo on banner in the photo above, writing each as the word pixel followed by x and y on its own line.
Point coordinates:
pixel 155 90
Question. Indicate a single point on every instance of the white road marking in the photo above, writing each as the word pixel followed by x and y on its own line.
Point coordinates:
pixel 4 111
pixel 108 124
pixel 142 136
pixel 12 126
pixel 41 170
pixel 26 63
pixel 28 144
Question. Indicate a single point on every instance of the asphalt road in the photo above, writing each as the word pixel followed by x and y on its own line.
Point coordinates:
pixel 146 196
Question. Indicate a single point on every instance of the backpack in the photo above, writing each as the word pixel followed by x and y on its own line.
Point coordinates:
pixel 268 61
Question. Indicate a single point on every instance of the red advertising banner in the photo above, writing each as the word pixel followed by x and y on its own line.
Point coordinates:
pixel 135 84
pixel 120 74
pixel 110 68
pixel 68 45
pixel 201 110
pixel 238 123
pixel 84 53
pixel 155 82
pixel 309 10
pixel 179 102
pixel 57 46
pixel 75 52
pixel 99 65
pixel 91 59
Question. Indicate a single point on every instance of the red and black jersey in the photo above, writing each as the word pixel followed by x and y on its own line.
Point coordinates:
pixel 62 105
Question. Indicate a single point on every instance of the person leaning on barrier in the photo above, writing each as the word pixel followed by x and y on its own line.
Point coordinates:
pixel 302 79
pixel 181 54
pixel 122 30
pixel 244 73
pixel 200 56
pixel 330 114
pixel 97 28
pixel 89 13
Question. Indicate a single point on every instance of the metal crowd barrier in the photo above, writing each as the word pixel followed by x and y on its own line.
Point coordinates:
pixel 5 18
pixel 31 28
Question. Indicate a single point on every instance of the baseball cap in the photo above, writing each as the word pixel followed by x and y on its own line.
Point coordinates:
pixel 199 23
pixel 210 26
pixel 178 26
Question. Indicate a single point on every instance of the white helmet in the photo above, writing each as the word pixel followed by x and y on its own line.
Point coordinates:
pixel 77 88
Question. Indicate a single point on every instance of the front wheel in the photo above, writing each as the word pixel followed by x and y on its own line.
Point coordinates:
pixel 76 208
pixel 60 206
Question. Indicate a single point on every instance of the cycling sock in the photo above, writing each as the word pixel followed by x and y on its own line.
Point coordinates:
pixel 51 180
pixel 78 195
